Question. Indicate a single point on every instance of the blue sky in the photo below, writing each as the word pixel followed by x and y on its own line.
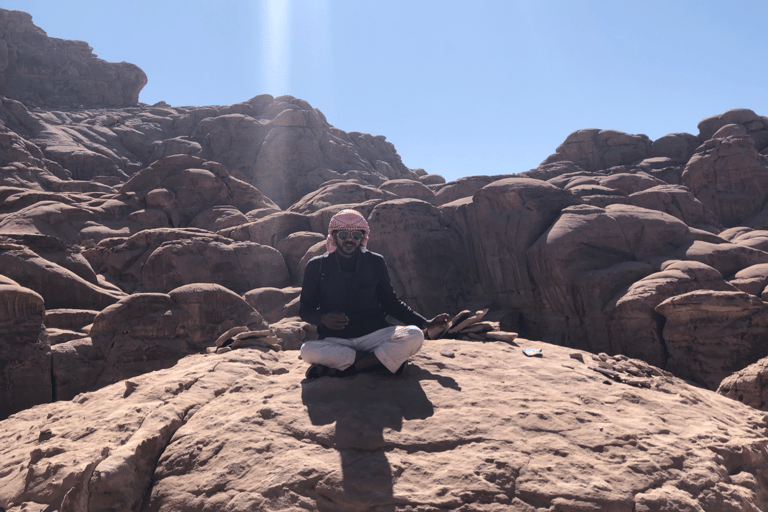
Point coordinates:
pixel 460 88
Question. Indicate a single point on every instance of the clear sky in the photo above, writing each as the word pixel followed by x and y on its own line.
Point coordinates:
pixel 460 88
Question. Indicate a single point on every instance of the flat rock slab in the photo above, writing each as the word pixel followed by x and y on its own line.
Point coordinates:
pixel 487 430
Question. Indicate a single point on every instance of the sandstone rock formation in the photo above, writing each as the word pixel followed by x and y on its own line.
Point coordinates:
pixel 48 72
pixel 133 237
pixel 537 246
pixel 481 429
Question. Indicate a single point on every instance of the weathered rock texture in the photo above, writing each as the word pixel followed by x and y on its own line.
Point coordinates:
pixel 557 252
pixel 26 355
pixel 482 428
pixel 132 237
pixel 48 72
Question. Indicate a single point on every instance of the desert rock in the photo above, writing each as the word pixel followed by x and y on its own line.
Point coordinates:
pixel 594 149
pixel 146 332
pixel 404 231
pixel 729 177
pixel 368 441
pixel 26 363
pixel 712 334
pixel 50 72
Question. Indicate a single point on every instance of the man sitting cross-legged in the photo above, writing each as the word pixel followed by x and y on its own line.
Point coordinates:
pixel 347 294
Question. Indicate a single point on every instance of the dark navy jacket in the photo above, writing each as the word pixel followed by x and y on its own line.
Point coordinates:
pixel 365 296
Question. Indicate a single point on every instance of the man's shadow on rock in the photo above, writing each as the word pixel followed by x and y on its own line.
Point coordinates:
pixel 362 407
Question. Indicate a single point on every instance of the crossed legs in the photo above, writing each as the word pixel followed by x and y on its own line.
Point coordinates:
pixel 391 345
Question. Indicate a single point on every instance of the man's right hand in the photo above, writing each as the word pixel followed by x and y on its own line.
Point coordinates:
pixel 334 321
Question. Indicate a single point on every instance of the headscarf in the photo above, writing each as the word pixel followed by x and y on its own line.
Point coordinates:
pixel 346 220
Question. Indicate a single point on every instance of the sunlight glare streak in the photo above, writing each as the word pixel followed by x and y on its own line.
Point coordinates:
pixel 276 44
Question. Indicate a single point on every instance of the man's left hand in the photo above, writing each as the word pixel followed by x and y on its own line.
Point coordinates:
pixel 440 320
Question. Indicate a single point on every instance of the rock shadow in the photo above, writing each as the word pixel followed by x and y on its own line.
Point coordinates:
pixel 363 407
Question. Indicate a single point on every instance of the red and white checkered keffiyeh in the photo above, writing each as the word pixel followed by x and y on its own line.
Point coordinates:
pixel 346 220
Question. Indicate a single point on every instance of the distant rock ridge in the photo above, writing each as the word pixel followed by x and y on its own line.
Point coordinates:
pixel 47 72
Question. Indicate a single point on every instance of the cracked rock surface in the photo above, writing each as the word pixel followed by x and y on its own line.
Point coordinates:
pixel 486 430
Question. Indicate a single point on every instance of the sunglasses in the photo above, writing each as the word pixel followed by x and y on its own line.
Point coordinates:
pixel 356 235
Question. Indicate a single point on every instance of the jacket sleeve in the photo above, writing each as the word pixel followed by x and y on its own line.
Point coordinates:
pixel 309 303
pixel 393 305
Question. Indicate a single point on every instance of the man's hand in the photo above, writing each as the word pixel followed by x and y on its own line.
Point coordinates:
pixel 440 320
pixel 334 321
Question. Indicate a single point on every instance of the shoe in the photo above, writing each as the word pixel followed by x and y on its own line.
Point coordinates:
pixel 316 371
pixel 369 363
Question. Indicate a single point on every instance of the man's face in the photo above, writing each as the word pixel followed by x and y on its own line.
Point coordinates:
pixel 348 246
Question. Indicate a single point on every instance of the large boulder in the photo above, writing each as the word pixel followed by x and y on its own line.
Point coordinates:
pixel 464 187
pixel 727 258
pixel 585 258
pixel 76 223
pixel 293 248
pixel 217 218
pixel 677 201
pixel 729 177
pixel 594 149
pixel 634 327
pixel 57 285
pixel 498 224
pixel 49 72
pixel 269 230
pixel 272 303
pixel 742 235
pixel 287 149
pixel 409 189
pixel 712 334
pixel 146 332
pixel 184 186
pixel 339 193
pixel 740 120
pixel 238 266
pixel 678 147
pixel 123 259
pixel 748 385
pixel 429 266
pixel 25 367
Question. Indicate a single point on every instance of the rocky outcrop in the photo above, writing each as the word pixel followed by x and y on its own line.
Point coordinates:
pixel 594 149
pixel 26 362
pixel 60 287
pixel 405 229
pixel 538 251
pixel 712 334
pixel 740 120
pixel 729 177
pixel 56 73
pixel 131 238
pixel 185 186
pixel 243 431
pixel 748 385
pixel 147 332
pixel 240 266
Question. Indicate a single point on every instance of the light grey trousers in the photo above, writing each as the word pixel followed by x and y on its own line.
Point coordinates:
pixel 392 345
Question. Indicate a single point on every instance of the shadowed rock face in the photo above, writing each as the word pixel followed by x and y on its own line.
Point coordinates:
pixel 48 72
